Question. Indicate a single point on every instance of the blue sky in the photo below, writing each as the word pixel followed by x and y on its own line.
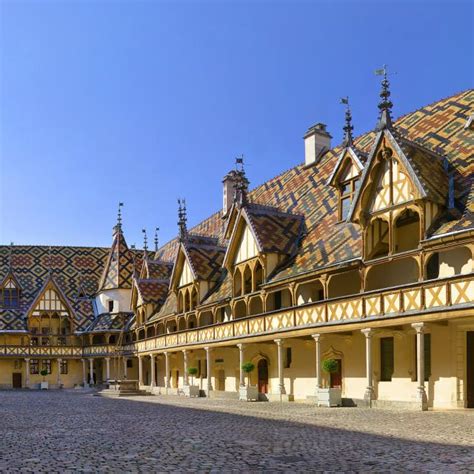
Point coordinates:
pixel 144 102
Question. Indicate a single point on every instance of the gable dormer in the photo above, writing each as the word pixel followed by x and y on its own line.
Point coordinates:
pixel 402 189
pixel 10 291
pixel 346 179
pixel 51 313
pixel 196 270
pixel 261 238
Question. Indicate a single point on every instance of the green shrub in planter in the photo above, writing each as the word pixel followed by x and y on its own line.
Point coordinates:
pixel 43 373
pixel 192 371
pixel 330 366
pixel 248 368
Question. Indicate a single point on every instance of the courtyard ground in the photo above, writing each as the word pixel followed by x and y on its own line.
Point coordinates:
pixel 74 431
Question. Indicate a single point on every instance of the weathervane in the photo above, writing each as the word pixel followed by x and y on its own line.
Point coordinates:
pixel 348 127
pixel 241 183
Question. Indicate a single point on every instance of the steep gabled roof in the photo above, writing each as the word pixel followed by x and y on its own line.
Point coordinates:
pixel 274 231
pixel 152 290
pixel 72 268
pixel 121 264
pixel 357 157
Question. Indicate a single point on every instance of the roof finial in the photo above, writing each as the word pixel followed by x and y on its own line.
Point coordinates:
pixel 157 229
pixel 183 231
pixel 241 181
pixel 385 104
pixel 118 226
pixel 348 127
pixel 145 241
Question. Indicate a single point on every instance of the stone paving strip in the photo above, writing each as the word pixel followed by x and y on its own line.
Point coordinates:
pixel 70 431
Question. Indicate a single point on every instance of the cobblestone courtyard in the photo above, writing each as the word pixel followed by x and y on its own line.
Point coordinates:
pixel 66 431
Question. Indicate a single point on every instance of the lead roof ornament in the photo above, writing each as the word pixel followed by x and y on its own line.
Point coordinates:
pixel 385 104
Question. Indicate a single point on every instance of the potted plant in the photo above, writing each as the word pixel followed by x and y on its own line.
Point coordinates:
pixel 248 392
pixel 44 384
pixel 191 390
pixel 329 396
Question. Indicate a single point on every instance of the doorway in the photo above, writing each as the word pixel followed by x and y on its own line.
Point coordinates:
pixel 16 379
pixel 336 377
pixel 470 369
pixel 221 380
pixel 262 376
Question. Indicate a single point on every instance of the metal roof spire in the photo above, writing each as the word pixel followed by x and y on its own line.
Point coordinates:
pixel 157 229
pixel 118 226
pixel 348 127
pixel 182 218
pixel 145 241
pixel 385 104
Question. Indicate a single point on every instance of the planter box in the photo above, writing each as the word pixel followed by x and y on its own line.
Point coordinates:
pixel 44 385
pixel 248 393
pixel 329 397
pixel 191 391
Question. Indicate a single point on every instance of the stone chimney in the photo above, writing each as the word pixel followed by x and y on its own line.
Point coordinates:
pixel 229 189
pixel 317 141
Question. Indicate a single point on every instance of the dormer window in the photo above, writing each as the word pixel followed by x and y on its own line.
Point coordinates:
pixel 111 306
pixel 10 295
pixel 347 190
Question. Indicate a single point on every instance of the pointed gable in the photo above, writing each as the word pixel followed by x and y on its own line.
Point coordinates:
pixel 398 171
pixel 187 275
pixel 349 165
pixel 120 266
pixel 262 230
pixel 51 299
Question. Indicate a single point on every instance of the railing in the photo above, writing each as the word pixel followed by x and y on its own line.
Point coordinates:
pixel 415 298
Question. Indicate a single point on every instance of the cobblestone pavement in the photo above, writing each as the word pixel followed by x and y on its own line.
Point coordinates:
pixel 73 431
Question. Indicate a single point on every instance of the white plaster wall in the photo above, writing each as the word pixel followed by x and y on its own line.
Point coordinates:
pixel 121 298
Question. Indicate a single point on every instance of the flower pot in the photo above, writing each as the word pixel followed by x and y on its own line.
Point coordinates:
pixel 191 391
pixel 329 397
pixel 44 385
pixel 248 393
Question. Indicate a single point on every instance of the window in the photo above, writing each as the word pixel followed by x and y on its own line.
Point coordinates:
pixel 386 359
pixel 277 299
pixel 61 341
pixel 347 189
pixel 64 367
pixel 427 356
pixel 111 305
pixel 34 341
pixel 129 363
pixel 46 365
pixel 34 366
pixel 10 295
pixel 287 358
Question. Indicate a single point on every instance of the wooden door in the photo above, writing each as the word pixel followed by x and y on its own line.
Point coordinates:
pixel 221 379
pixel 263 376
pixel 336 377
pixel 16 380
pixel 470 369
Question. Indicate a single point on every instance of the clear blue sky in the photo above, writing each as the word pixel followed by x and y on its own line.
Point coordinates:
pixel 143 102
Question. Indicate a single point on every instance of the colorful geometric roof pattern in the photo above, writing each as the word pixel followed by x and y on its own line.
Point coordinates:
pixel 275 231
pixel 72 268
pixel 152 290
pixel 121 264
pixel 205 256
pixel 110 322
pixel 156 269
pixel 438 127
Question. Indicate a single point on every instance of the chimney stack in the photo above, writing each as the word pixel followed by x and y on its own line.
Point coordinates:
pixel 229 188
pixel 317 141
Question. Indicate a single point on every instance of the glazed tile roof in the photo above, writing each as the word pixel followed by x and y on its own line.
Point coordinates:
pixel 205 256
pixel 109 321
pixel 156 269
pixel 276 231
pixel 429 134
pixel 74 269
pixel 152 290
